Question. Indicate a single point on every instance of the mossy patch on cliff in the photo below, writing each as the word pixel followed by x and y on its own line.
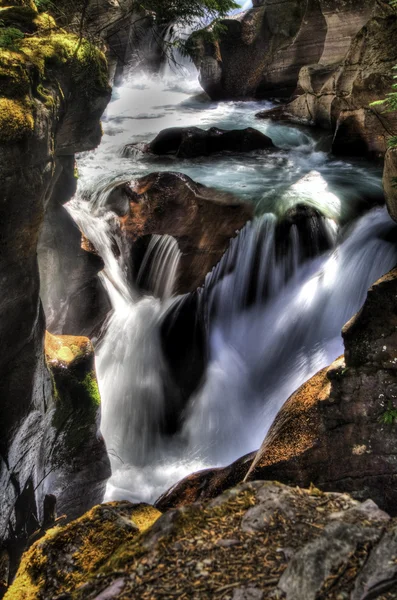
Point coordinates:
pixel 38 62
pixel 76 392
pixel 16 119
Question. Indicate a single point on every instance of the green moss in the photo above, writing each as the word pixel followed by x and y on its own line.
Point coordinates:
pixel 20 16
pixel 36 63
pixel 91 388
pixel 14 80
pixel 87 543
pixel 16 119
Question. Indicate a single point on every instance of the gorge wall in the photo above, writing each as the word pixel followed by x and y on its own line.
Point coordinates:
pixel 50 83
pixel 330 60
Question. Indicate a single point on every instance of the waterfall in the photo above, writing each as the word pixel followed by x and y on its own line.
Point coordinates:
pixel 274 320
pixel 176 62
pixel 271 310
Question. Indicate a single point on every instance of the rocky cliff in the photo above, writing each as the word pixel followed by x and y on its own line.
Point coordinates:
pixel 330 59
pixel 50 82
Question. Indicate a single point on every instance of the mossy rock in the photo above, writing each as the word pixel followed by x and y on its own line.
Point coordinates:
pixel 16 119
pixel 38 65
pixel 76 393
pixel 19 16
pixel 66 557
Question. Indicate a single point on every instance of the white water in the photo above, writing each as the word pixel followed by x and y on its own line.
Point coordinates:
pixel 260 352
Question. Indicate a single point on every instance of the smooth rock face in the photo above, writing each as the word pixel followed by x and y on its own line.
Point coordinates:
pixel 263 49
pixel 74 299
pixel 258 540
pixel 191 142
pixel 389 182
pixel 338 96
pixel 202 219
pixel 332 431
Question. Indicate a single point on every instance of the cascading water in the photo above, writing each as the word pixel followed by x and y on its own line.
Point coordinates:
pixel 274 312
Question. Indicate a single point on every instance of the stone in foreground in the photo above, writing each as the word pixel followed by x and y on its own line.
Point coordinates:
pixel 258 540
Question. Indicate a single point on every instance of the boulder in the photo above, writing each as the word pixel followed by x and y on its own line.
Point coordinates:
pixel 202 220
pixel 262 50
pixel 70 558
pixel 339 96
pixel 338 430
pixel 205 485
pixel 191 142
pixel 258 540
pixel 389 182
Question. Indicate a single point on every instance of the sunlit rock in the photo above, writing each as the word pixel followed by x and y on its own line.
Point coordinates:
pixel 257 540
pixel 202 220
pixel 338 430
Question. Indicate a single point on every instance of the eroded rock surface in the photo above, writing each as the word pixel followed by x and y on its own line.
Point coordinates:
pixel 338 96
pixel 258 540
pixel 263 49
pixel 333 431
pixel 201 219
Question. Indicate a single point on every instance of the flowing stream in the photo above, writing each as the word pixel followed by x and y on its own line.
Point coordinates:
pixel 273 317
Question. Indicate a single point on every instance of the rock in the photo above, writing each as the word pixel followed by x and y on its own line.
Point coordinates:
pixel 389 182
pixel 79 466
pixel 191 142
pixel 44 105
pixel 332 432
pixel 263 49
pixel 69 555
pixel 201 219
pixel 74 299
pixel 338 96
pixel 205 485
pixel 183 338
pixel 258 540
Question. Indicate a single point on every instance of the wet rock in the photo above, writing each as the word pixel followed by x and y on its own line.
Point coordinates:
pixel 333 431
pixel 191 142
pixel 310 226
pixel 74 299
pixel 74 448
pixel 201 219
pixel 337 96
pixel 185 351
pixel 288 543
pixel 263 49
pixel 205 484
pixel 389 182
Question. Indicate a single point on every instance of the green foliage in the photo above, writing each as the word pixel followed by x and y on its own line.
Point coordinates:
pixel 389 416
pixel 43 5
pixel 10 37
pixel 188 12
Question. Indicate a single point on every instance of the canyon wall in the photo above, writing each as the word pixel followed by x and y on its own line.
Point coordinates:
pixel 328 60
pixel 50 83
